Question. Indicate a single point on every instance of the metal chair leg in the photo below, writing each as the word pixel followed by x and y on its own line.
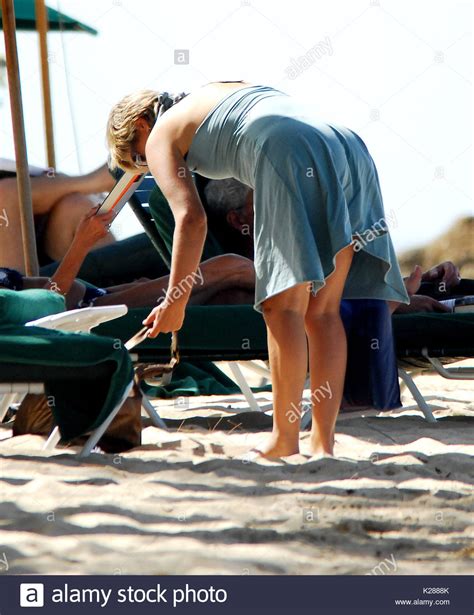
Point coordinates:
pixel 6 401
pixel 53 440
pixel 417 396
pixel 244 387
pixel 99 432
pixel 152 413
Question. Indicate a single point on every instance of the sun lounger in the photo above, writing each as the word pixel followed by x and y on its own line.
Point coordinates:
pixel 237 334
pixel 426 342
pixel 86 377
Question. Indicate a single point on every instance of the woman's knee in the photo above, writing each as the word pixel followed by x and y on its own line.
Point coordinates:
pixel 72 206
pixel 324 319
pixel 282 317
pixel 292 302
pixel 66 214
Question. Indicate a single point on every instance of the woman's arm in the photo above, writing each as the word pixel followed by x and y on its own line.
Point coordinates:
pixel 91 229
pixel 167 164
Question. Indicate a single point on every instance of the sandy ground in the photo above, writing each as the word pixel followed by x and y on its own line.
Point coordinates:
pixel 398 498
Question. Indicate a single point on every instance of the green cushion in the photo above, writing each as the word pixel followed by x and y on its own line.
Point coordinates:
pixel 19 307
pixel 442 335
pixel 229 332
pixel 238 332
pixel 79 404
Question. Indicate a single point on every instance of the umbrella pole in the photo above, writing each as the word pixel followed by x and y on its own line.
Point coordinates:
pixel 42 27
pixel 21 156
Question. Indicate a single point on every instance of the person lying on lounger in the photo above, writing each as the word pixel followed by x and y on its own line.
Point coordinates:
pixel 223 279
pixel 427 289
pixel 59 202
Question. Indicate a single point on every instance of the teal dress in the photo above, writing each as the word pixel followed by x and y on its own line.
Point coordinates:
pixel 316 191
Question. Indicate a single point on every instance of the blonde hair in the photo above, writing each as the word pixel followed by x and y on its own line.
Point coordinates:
pixel 121 125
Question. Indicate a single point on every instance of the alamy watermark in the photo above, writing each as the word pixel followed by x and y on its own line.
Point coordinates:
pixel 302 63
pixel 322 392
pixel 378 228
pixel 384 567
pixel 185 285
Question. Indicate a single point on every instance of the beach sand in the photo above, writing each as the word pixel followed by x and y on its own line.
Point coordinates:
pixel 397 499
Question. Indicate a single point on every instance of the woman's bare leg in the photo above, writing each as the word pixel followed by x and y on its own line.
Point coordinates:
pixel 327 354
pixel 48 190
pixel 287 348
pixel 46 193
pixel 62 223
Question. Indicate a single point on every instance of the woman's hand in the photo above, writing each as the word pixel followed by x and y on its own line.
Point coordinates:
pixel 166 318
pixel 92 228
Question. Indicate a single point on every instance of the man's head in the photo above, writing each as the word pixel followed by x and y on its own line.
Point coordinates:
pixel 232 201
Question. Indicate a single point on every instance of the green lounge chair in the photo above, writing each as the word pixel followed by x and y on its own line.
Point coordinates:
pixel 86 377
pixel 424 342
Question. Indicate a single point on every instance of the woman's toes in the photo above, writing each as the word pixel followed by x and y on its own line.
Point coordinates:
pixel 275 449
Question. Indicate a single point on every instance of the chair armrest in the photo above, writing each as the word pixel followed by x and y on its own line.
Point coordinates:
pixel 83 320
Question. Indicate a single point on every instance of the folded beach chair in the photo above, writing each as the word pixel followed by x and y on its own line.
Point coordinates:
pixel 85 377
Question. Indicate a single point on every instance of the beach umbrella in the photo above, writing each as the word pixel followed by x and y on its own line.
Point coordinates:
pixel 30 15
pixel 25 17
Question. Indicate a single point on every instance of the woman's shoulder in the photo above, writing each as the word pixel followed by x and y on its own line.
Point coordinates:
pixel 180 123
pixel 205 96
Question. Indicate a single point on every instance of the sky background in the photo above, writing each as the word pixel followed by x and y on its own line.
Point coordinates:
pixel 398 72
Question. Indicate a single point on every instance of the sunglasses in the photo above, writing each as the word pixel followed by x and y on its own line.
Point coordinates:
pixel 139 161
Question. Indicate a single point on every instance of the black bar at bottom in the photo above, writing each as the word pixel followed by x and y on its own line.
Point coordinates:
pixel 324 595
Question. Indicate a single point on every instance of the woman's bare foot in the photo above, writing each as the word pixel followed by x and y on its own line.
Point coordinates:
pixel 319 447
pixel 97 181
pixel 278 446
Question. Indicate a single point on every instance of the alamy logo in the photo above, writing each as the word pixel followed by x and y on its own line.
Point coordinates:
pixel 32 595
